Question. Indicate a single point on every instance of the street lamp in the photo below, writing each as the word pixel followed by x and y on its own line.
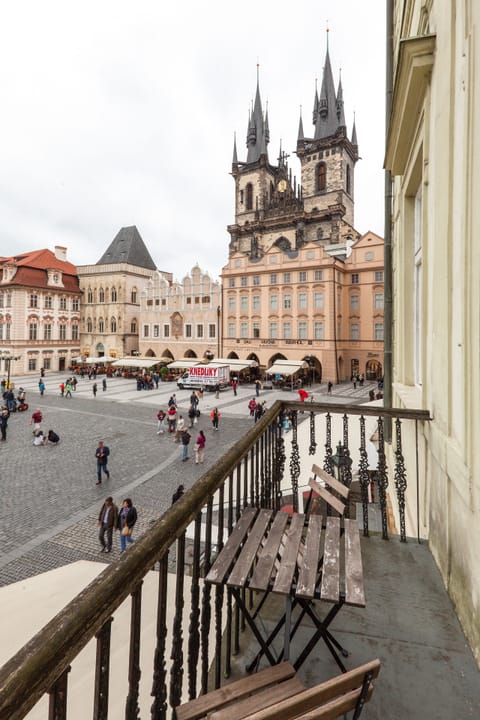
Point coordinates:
pixel 8 357
pixel 341 464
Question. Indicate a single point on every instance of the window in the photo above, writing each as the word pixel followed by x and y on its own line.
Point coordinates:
pixel 133 327
pixel 145 331
pixel 48 303
pixel 8 300
pixel 1 300
pixel 63 303
pixel 378 301
pixel 231 330
pixel 32 363
pixel 188 330
pixel 231 282
pixel 75 332
pixel 133 295
pixel 113 325
pixel 302 301
pixel 273 302
pixel 355 279
pixel 318 330
pixel 62 332
pixel 231 302
pixel 75 304
pixel 212 330
pixel 33 300
pixel 46 363
pixel 166 331
pixel 206 299
pixel 287 302
pixel 89 296
pixel 318 300
pixel 156 331
pixel 47 332
pixel 89 325
pixel 354 302
pixel 7 327
pixel 287 331
pixel 244 281
pixel 417 289
pixel 354 331
pixel 249 203
pixel 286 277
pixel 32 331
pixel 379 331
pixel 199 330
pixel 302 276
pixel 256 330
pixel 369 256
pixel 273 279
pixel 321 177
pixel 243 330
pixel 101 295
pixel 379 276
pixel 244 302
pixel 101 326
pixel 302 330
pixel 273 330
pixel 318 275
pixel 348 180
pixel 256 302
pixel 256 279
pixel 113 295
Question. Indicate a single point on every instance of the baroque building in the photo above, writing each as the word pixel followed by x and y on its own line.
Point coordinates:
pixel 111 296
pixel 432 143
pixel 180 319
pixel 291 284
pixel 39 312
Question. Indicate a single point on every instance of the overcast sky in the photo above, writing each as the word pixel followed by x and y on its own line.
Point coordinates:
pixel 117 113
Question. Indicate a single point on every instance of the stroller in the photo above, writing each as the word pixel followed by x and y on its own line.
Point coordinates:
pixel 22 404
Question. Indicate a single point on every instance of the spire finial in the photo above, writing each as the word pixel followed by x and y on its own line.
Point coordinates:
pixel 258 71
pixel 328 30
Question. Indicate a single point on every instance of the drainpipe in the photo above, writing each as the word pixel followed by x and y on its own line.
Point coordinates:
pixel 388 278
pixel 335 320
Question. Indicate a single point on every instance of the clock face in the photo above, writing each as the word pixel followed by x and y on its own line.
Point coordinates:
pixel 282 186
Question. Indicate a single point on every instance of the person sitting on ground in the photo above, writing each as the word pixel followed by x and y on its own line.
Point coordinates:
pixel 53 437
pixel 39 438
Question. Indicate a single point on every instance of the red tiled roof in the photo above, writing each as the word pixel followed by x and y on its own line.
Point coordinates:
pixel 32 268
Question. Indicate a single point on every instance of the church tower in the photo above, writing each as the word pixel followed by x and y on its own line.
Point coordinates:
pixel 328 162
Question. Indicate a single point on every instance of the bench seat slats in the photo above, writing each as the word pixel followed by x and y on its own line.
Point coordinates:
pixel 262 574
pixel 244 562
pixel 330 585
pixel 354 588
pixel 286 571
pixel 259 701
pixel 308 573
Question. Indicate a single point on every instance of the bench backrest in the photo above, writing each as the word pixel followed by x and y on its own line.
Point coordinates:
pixel 276 693
pixel 337 503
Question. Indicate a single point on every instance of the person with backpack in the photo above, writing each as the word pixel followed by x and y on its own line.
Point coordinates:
pixel 127 517
pixel 185 440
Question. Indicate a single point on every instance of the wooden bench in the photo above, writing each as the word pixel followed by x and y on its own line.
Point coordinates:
pixel 278 694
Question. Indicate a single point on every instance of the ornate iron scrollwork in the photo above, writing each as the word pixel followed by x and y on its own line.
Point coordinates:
pixel 400 479
pixel 295 461
pixel 382 478
pixel 363 475
pixel 327 461
pixel 313 445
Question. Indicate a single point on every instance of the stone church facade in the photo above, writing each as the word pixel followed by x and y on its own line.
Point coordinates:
pixel 301 283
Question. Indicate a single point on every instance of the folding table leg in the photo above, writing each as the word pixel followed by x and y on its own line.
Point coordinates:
pixel 322 632
pixel 264 646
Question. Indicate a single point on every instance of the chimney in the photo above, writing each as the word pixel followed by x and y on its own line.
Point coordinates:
pixel 61 253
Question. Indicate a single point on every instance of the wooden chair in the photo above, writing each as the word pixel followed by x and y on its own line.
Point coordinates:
pixel 337 503
pixel 278 694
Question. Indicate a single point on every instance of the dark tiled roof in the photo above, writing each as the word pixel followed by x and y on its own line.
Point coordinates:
pixel 128 247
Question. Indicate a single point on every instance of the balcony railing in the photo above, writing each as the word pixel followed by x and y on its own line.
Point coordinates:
pixel 256 471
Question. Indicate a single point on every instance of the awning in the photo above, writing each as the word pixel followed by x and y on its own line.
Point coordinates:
pixel 97 360
pixel 235 364
pixel 131 362
pixel 183 364
pixel 286 367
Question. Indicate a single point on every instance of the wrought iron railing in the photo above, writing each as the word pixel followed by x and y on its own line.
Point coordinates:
pixel 204 635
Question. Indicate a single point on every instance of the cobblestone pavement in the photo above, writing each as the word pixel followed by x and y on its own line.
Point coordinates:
pixel 50 500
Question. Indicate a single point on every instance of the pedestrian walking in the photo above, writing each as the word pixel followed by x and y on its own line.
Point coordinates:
pixel 329 386
pixel 172 401
pixel 180 428
pixel 192 415
pixel 101 453
pixel 104 384
pixel 217 391
pixel 107 521
pixel 160 418
pixel 185 440
pixel 234 386
pixel 127 517
pixel 4 415
pixel 62 389
pixel 257 387
pixel 172 418
pixel 94 389
pixel 41 386
pixel 200 447
pixel 68 389
pixel 251 406
pixel 215 415
pixel 36 419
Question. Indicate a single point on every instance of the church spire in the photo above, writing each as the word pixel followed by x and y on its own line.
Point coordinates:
pixel 258 131
pixel 340 111
pixel 327 121
pixel 354 132
pixel 301 135
pixel 235 157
